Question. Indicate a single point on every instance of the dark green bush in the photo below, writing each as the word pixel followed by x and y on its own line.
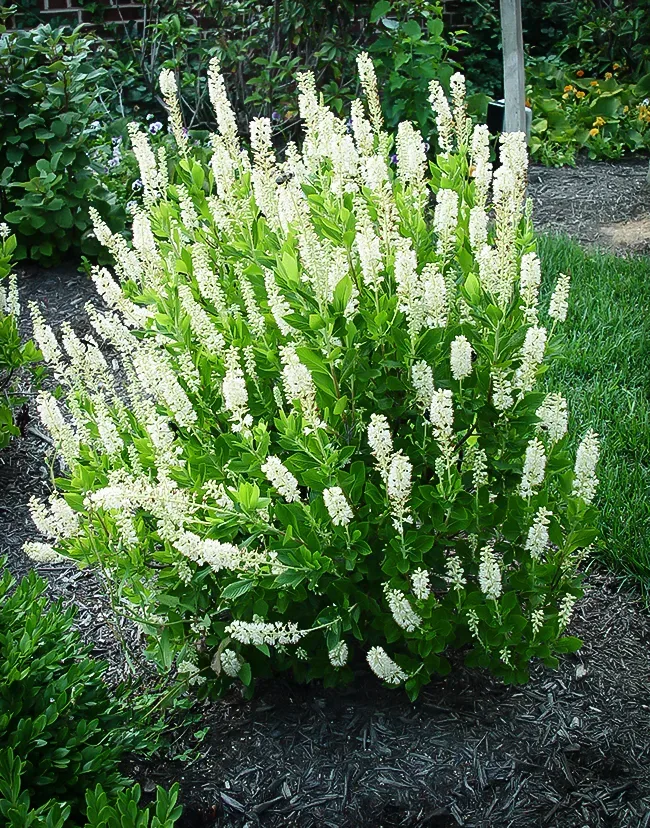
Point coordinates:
pixel 53 85
pixel 62 733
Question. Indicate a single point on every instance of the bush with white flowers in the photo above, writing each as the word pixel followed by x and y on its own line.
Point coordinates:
pixel 326 441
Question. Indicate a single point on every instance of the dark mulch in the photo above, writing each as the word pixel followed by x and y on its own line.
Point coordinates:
pixel 572 748
pixel 604 204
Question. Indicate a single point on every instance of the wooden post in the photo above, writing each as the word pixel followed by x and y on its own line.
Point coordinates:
pixel 514 84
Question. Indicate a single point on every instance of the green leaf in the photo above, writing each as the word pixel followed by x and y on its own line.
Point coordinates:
pixel 412 29
pixel 245 675
pixel 339 408
pixel 236 589
pixel 379 10
pixel 290 578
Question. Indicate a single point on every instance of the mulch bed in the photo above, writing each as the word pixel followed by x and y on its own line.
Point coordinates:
pixel 571 748
pixel 602 204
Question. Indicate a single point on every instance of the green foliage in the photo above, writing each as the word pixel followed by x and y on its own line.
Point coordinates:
pixel 595 34
pixel 606 373
pixel 15 355
pixel 410 51
pixel 573 112
pixel 272 312
pixel 125 813
pixel 61 732
pixel 53 87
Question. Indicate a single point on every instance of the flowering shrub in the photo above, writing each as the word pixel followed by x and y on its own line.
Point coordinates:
pixel 15 354
pixel 327 437
pixel 572 111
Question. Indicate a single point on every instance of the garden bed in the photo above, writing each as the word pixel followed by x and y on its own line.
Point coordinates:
pixel 569 749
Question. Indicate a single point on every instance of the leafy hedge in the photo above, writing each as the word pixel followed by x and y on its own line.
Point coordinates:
pixel 62 733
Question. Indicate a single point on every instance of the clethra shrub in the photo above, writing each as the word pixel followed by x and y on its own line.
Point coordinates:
pixel 326 439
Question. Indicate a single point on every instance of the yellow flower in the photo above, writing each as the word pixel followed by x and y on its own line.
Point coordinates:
pixel 593 131
pixel 599 121
pixel 579 73
pixel 616 66
pixel 568 88
pixel 626 109
pixel 580 94
pixel 608 75
pixel 593 83
pixel 565 96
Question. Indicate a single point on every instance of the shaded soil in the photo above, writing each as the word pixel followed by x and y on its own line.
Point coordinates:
pixel 570 749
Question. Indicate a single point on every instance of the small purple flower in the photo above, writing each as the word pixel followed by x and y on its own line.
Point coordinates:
pixel 393 159
pixel 348 125
pixel 185 131
pixel 116 140
pixel 275 116
pixel 427 146
pixel 131 206
pixel 149 116
pixel 155 127
pixel 113 162
pixel 95 125
pixel 137 184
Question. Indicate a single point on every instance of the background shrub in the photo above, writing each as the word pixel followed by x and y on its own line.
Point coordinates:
pixel 62 733
pixel 53 85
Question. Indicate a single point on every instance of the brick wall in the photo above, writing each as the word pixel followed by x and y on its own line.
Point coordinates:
pixel 71 12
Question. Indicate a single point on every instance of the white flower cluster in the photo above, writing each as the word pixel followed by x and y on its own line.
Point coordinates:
pixel 565 611
pixel 411 157
pixel 444 119
pixel 537 540
pixel 398 489
pixel 169 91
pixel 235 394
pixel 339 655
pixel 231 663
pixel 454 573
pixel 402 611
pixel 532 475
pixel 9 300
pixel 529 282
pixel 299 385
pixel 532 355
pixel 441 414
pixel 422 380
pixel 445 221
pixel 461 358
pixel 337 506
pixel 381 442
pixel 281 478
pixel 42 553
pixel 421 584
pixel 489 574
pixel 271 633
pixel 554 417
pixel 383 666
pixel 585 481
pixel 57 521
pixel 559 304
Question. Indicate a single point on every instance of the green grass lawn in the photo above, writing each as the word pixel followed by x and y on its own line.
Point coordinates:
pixel 605 375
